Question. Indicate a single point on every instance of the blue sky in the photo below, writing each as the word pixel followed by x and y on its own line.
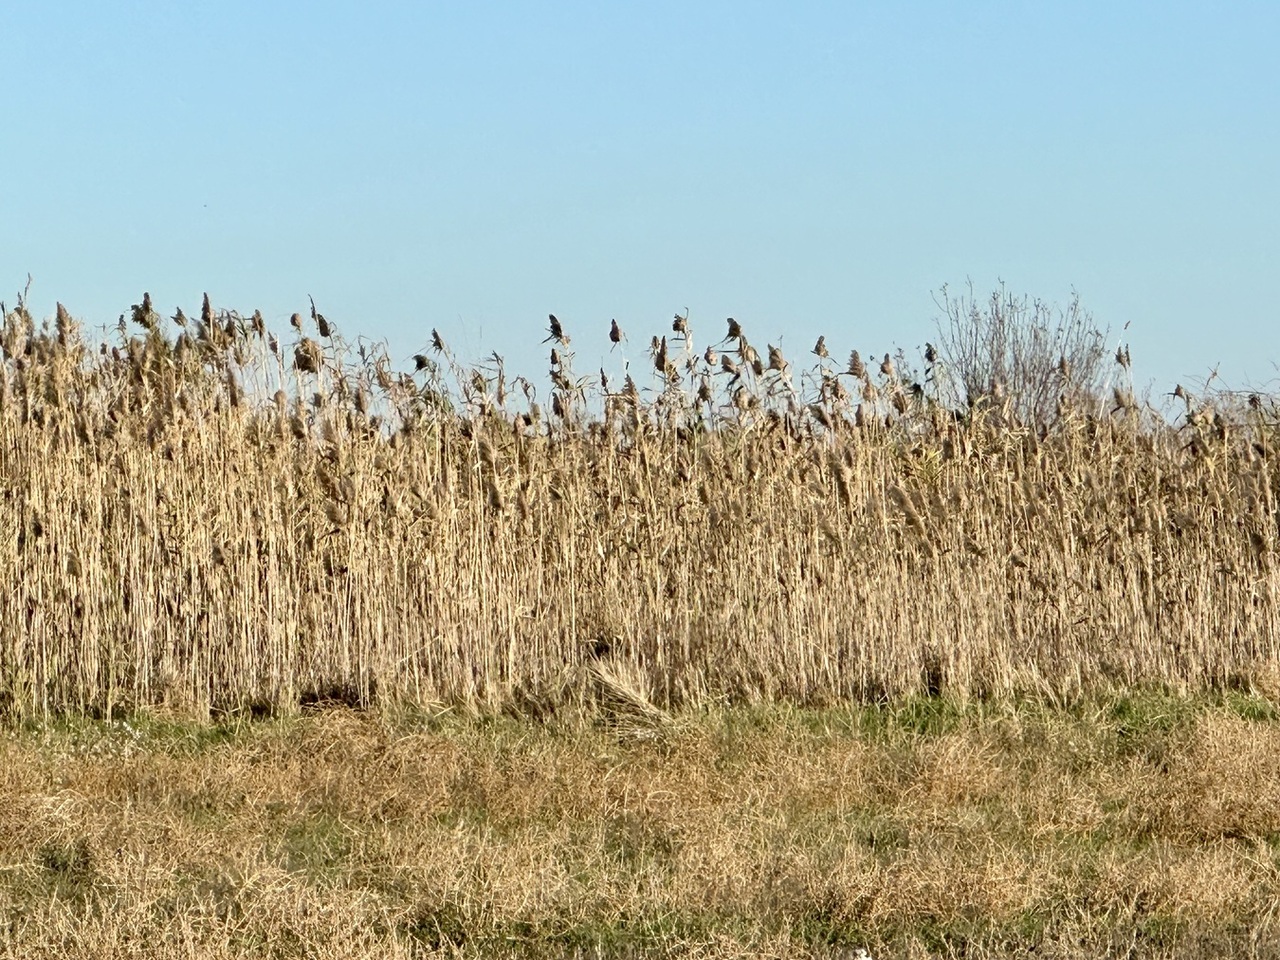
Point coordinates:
pixel 804 167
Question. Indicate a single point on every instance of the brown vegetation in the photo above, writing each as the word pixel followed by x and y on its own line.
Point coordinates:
pixel 1141 826
pixel 218 520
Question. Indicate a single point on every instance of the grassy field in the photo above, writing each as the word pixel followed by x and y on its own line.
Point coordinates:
pixel 1138 826
pixel 739 656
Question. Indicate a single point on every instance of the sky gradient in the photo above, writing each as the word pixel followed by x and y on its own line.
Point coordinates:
pixel 805 167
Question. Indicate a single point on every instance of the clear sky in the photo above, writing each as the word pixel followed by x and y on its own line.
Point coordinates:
pixel 804 167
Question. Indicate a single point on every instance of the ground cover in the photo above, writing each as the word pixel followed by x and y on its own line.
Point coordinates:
pixel 1137 825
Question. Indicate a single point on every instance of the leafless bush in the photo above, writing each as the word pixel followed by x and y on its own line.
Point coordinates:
pixel 1020 356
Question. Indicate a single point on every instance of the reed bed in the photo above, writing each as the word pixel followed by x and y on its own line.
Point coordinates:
pixel 207 515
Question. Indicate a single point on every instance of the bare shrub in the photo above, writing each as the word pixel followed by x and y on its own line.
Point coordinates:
pixel 1019 355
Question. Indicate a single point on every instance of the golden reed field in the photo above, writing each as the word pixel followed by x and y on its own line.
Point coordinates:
pixel 213 517
pixel 733 654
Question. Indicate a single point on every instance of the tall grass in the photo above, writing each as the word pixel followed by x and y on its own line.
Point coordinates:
pixel 208 516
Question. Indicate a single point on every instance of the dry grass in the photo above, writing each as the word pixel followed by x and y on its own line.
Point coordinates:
pixel 221 521
pixel 1145 826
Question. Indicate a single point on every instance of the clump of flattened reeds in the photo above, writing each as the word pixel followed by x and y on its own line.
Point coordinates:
pixel 625 702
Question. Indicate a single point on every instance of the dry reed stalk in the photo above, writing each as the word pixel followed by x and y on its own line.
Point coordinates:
pixel 217 531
